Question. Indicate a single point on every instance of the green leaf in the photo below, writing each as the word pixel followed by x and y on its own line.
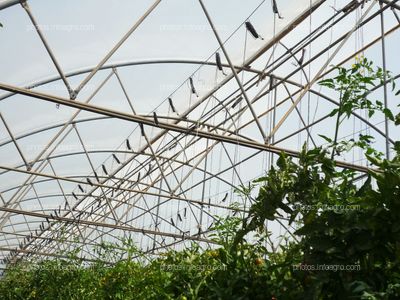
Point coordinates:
pixel 365 187
pixel 388 113
pixel 282 161
pixel 293 217
pixel 261 179
pixel 397 146
pixel 358 287
pixel 367 138
pixel 327 82
pixel 322 243
pixel 375 161
pixel 308 229
pixel 333 112
pixel 397 120
pixel 370 113
pixel 326 138
pixel 362 241
pixel 369 80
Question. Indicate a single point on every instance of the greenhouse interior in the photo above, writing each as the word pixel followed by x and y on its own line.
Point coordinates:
pixel 199 149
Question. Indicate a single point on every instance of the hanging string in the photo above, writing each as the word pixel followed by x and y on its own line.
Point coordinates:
pixel 309 76
pixel 211 164
pixel 270 156
pixel 239 120
pixel 328 56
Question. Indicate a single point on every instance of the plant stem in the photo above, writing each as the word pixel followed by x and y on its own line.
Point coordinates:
pixel 337 126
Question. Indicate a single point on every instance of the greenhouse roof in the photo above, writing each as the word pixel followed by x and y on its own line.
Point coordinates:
pixel 142 118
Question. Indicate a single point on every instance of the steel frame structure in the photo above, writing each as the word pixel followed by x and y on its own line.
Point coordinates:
pixel 157 187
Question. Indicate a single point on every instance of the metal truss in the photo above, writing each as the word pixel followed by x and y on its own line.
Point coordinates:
pixel 169 180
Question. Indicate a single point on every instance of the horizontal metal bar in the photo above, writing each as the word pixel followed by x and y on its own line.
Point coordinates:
pixel 119 188
pixel 162 125
pixel 100 224
pixel 8 3
pixel 26 251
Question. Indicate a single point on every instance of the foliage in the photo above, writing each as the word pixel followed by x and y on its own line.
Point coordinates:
pixel 342 222
pixel 188 274
pixel 341 219
pixel 354 86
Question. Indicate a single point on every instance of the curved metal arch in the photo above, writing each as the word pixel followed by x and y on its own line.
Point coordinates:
pixel 54 126
pixel 115 151
pixel 119 151
pixel 66 177
pixel 110 198
pixel 124 64
pixel 104 232
pixel 134 191
pixel 101 224
pixel 128 63
pixel 50 127
pixel 131 63
pixel 284 32
pixel 20 234
pixel 24 233
pixel 136 63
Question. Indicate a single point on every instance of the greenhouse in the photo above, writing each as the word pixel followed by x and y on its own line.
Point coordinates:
pixel 199 149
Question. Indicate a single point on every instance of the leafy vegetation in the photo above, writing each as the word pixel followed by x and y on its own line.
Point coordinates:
pixel 346 243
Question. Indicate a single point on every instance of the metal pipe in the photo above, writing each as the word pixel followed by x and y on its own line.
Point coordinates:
pixel 116 47
pixel 110 187
pixel 25 5
pixel 221 44
pixel 28 166
pixel 321 70
pixel 385 96
pixel 173 127
pixel 106 225
pixel 8 3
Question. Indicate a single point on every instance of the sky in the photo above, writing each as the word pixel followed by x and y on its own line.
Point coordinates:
pixel 80 33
